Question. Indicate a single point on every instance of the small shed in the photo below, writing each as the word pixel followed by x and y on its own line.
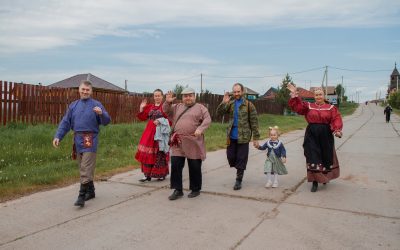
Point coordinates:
pixel 250 94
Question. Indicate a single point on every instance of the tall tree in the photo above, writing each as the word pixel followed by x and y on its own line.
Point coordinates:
pixel 283 96
pixel 179 88
pixel 340 92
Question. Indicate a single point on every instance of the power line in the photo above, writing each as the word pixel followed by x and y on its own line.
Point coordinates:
pixel 266 76
pixel 360 70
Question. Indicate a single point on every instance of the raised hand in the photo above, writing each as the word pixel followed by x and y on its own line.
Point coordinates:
pixel 291 88
pixel 169 96
pixel 226 97
pixel 143 104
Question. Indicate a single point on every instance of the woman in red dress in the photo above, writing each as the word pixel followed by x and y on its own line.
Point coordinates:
pixel 324 121
pixel 154 162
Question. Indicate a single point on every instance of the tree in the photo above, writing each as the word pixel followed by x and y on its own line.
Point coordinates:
pixel 179 88
pixel 340 93
pixel 394 100
pixel 282 96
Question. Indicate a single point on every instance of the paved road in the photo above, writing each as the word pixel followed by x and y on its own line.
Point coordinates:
pixel 360 210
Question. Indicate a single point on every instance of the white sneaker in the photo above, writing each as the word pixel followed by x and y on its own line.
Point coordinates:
pixel 275 185
pixel 269 184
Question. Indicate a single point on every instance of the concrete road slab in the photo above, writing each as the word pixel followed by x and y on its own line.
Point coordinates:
pixel 303 227
pixel 46 209
pixel 154 222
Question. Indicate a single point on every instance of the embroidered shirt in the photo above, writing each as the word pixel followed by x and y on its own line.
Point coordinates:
pixel 81 118
pixel 314 113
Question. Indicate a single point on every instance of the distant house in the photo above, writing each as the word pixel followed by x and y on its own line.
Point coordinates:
pixel 97 83
pixel 250 94
pixel 306 95
pixel 270 94
pixel 331 90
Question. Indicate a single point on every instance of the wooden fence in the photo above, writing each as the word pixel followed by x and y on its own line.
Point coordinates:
pixel 33 104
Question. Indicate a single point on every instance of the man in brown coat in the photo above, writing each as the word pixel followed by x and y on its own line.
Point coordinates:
pixel 189 121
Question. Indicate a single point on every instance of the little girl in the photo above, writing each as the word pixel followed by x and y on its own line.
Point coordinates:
pixel 276 157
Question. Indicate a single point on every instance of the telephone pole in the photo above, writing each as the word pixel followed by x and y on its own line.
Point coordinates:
pixel 326 82
pixel 201 83
pixel 341 91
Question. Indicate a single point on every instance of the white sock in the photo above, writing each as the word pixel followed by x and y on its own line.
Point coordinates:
pixel 276 178
pixel 269 176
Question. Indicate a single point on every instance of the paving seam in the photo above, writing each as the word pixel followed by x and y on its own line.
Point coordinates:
pixel 345 211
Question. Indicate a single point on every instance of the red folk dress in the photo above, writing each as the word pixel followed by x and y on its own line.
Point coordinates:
pixel 154 163
pixel 319 143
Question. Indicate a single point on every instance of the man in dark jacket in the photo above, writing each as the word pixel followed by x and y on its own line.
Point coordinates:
pixel 242 126
pixel 388 110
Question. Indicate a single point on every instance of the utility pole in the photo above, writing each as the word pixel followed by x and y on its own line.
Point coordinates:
pixel 326 82
pixel 126 85
pixel 201 83
pixel 341 92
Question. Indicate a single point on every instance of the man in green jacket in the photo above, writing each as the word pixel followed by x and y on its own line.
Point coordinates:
pixel 243 125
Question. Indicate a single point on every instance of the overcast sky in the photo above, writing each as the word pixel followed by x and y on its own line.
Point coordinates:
pixel 158 44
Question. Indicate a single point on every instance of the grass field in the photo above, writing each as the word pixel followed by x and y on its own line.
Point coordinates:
pixel 29 163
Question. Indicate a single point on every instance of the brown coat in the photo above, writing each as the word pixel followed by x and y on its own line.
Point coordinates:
pixel 197 117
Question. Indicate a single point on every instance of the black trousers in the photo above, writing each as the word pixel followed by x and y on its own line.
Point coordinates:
pixel 237 154
pixel 195 177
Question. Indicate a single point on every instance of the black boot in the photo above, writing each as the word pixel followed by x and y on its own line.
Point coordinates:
pixel 314 186
pixel 238 185
pixel 239 178
pixel 82 193
pixel 90 194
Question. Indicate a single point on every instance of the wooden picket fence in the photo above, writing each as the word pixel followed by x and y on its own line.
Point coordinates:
pixel 33 104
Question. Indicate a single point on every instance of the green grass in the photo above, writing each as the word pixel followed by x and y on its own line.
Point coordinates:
pixel 28 161
pixel 347 108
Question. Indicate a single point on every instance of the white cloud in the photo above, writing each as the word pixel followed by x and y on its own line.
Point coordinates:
pixel 35 25
pixel 163 59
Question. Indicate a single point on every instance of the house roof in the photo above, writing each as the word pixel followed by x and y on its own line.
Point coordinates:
pixel 249 91
pixel 270 91
pixel 98 83
pixel 331 89
pixel 303 93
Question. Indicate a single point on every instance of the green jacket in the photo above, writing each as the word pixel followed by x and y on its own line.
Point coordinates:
pixel 245 130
